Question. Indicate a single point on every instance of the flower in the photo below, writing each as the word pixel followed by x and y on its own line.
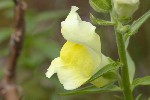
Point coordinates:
pixel 80 57
pixel 125 8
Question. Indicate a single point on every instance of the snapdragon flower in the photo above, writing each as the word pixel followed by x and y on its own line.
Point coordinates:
pixel 80 57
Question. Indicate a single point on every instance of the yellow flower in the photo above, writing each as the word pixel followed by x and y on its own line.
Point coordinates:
pixel 80 57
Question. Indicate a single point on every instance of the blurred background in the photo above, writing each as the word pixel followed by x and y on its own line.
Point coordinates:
pixel 43 41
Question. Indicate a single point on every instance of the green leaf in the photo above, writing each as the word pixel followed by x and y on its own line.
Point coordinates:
pixel 52 15
pixel 49 48
pixel 6 4
pixel 110 67
pixel 131 67
pixel 5 34
pixel 34 20
pixel 137 24
pixel 138 97
pixel 100 5
pixel 93 89
pixel 141 81
pixel 100 21
pixel 130 62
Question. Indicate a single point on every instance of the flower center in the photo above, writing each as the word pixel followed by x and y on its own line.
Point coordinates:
pixel 78 58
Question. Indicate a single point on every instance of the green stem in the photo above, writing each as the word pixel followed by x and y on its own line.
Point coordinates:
pixel 124 71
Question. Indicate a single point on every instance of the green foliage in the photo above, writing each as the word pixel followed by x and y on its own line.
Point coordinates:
pixel 137 24
pixel 39 46
pixel 141 81
pixel 93 89
pixel 131 64
pixel 5 33
pixel 100 5
pixel 4 36
pixel 131 67
pixel 6 4
pixel 110 67
pixel 139 97
pixel 100 21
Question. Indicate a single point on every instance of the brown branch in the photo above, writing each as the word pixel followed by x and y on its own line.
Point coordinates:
pixel 9 88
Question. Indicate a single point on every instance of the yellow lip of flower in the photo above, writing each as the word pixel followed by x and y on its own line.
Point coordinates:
pixel 80 56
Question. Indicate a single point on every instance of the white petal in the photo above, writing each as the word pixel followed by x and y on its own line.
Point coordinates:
pixel 101 81
pixel 70 78
pixel 104 61
pixel 80 32
pixel 53 67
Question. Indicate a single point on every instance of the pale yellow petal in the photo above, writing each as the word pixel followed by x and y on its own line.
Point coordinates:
pixel 101 81
pixel 80 32
pixel 104 61
pixel 79 65
pixel 53 67
pixel 70 77
pixel 78 57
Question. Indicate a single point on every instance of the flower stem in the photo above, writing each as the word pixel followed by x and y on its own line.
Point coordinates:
pixel 124 71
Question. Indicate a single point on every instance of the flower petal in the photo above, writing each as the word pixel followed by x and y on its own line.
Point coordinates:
pixel 80 32
pixel 78 57
pixel 70 77
pixel 101 81
pixel 79 65
pixel 104 61
pixel 54 65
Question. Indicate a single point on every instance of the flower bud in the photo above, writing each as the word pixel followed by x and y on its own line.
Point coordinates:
pixel 125 8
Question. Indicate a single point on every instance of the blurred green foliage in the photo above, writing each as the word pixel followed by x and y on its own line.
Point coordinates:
pixel 43 41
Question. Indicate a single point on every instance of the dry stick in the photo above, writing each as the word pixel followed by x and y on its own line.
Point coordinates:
pixel 10 90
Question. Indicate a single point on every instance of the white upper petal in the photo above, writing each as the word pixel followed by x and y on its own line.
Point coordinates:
pixel 80 32
pixel 56 63
pixel 104 61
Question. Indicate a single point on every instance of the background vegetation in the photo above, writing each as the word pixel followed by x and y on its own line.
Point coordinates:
pixel 43 41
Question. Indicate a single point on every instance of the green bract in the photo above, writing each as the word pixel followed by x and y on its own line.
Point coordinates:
pixel 101 5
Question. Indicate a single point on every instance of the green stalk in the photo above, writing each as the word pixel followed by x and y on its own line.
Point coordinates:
pixel 124 70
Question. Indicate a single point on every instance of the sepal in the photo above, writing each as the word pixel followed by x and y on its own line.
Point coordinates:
pixel 101 5
pixel 100 21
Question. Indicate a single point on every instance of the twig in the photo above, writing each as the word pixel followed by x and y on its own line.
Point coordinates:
pixel 9 88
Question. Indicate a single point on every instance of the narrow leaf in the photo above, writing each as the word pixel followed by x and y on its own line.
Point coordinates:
pixel 100 21
pixel 141 81
pixel 131 67
pixel 137 24
pixel 131 64
pixel 110 67
pixel 93 89
pixel 138 97
pixel 100 5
